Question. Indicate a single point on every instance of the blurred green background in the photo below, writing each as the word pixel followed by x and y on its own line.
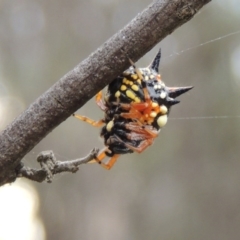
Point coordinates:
pixel 185 186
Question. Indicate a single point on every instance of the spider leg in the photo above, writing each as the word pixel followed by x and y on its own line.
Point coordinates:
pixel 131 115
pixel 102 106
pixel 141 147
pixel 100 102
pixel 134 106
pixel 138 127
pixel 137 106
pixel 145 136
pixel 146 93
pixel 144 111
pixel 110 162
pixel 89 120
pixel 135 110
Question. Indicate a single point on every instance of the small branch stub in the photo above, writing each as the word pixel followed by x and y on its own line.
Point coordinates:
pixel 50 166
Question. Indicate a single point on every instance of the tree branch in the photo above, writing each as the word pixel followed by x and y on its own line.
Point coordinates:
pixel 74 89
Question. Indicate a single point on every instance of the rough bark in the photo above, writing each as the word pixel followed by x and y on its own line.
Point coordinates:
pixel 74 89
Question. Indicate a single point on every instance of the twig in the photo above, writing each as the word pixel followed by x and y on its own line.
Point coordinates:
pixel 50 166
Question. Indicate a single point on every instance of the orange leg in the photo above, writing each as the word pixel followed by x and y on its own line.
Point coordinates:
pixel 137 106
pixel 146 95
pixel 141 147
pixel 89 120
pixel 147 131
pixel 146 134
pixel 110 163
pixel 135 110
pixel 100 102
pixel 102 106
pixel 141 111
pixel 132 115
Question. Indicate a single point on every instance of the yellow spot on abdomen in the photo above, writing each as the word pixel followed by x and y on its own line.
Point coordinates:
pixel 134 76
pixel 153 114
pixel 154 104
pixel 123 88
pixel 109 126
pixel 117 94
pixel 130 94
pixel 137 100
pixel 163 95
pixel 135 87
pixel 163 109
pixel 162 120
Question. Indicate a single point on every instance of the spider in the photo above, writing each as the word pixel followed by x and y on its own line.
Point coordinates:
pixel 136 107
